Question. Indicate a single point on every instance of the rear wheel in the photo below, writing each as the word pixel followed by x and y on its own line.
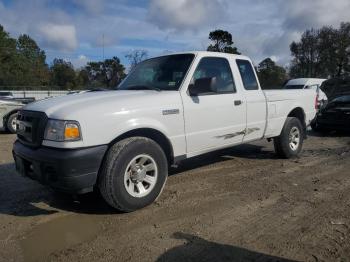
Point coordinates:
pixel 290 142
pixel 11 123
pixel 133 174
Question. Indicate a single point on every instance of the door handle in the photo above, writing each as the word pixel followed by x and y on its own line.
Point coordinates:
pixel 238 102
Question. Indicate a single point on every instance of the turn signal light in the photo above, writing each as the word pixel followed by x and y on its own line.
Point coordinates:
pixel 71 132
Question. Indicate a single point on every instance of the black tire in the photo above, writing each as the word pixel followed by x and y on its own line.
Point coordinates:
pixel 111 178
pixel 9 122
pixel 282 142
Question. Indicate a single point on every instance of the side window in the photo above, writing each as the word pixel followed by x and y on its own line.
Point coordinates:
pixel 247 73
pixel 218 68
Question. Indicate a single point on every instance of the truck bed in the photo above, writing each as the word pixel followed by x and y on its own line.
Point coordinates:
pixel 279 103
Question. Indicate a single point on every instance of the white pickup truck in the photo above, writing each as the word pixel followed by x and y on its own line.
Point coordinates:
pixel 169 108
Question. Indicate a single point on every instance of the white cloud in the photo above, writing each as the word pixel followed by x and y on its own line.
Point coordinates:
pixel 260 29
pixel 303 14
pixel 79 62
pixel 186 14
pixel 61 37
pixel 91 6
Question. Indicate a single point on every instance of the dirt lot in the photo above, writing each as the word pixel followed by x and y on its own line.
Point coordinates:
pixel 241 204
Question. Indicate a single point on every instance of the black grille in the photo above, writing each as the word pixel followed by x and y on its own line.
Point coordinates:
pixel 31 127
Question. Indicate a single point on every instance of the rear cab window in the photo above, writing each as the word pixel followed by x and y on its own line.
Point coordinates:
pixel 246 71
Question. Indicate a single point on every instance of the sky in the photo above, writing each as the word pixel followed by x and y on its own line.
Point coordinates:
pixel 90 30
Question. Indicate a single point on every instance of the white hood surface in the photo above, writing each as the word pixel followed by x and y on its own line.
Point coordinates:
pixel 99 102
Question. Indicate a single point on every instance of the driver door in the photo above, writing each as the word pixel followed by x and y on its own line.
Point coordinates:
pixel 215 119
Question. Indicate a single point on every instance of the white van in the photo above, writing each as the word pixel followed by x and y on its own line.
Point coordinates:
pixel 308 83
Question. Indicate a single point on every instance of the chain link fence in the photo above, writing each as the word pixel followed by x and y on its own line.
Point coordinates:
pixel 37 94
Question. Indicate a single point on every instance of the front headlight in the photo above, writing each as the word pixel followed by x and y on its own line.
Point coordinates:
pixel 62 130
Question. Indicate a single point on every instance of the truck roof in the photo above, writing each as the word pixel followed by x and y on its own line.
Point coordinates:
pixel 208 53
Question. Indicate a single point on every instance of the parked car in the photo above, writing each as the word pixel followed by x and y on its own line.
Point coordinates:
pixel 6 95
pixel 8 114
pixel 335 114
pixel 309 83
pixel 169 108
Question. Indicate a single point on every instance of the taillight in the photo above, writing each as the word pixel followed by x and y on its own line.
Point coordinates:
pixel 317 103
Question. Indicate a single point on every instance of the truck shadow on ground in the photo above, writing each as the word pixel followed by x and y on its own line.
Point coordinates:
pixel 20 196
pixel 198 249
pixel 246 151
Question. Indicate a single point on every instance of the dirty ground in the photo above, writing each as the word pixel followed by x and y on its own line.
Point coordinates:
pixel 239 204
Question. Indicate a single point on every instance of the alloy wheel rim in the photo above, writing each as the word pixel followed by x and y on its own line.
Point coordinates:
pixel 294 138
pixel 14 123
pixel 140 176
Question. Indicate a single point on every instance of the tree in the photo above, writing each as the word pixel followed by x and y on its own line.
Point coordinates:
pixel 271 76
pixel 22 62
pixel 82 79
pixel 7 61
pixel 322 53
pixel 23 65
pixel 136 56
pixel 342 45
pixel 34 69
pixel 306 55
pixel 62 74
pixel 222 42
pixel 108 73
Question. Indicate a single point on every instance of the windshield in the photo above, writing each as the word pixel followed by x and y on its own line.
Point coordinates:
pixel 294 87
pixel 160 73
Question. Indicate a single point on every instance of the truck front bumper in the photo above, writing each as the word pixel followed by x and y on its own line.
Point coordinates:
pixel 68 170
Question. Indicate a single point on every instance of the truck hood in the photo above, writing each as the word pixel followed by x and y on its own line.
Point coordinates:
pixel 69 106
pixel 336 87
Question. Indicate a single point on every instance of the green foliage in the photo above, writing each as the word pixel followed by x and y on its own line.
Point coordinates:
pixel 63 74
pixel 222 42
pixel 7 55
pixel 271 76
pixel 33 68
pixel 23 66
pixel 108 73
pixel 22 62
pixel 322 53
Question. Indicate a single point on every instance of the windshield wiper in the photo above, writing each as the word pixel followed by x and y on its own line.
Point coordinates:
pixel 142 87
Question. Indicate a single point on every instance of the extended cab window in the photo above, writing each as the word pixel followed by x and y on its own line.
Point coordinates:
pixel 247 73
pixel 218 68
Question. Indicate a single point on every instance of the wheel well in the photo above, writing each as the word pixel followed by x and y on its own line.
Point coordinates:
pixel 153 134
pixel 8 115
pixel 298 113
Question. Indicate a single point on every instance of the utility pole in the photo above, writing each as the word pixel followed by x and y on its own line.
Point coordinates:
pixel 103 47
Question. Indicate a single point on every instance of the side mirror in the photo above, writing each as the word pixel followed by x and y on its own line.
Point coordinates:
pixel 202 86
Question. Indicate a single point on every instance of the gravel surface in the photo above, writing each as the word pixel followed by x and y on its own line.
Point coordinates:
pixel 240 204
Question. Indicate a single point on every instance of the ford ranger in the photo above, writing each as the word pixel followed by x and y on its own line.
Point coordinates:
pixel 167 109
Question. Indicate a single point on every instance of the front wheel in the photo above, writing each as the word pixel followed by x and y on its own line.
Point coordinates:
pixel 133 174
pixel 11 123
pixel 290 142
